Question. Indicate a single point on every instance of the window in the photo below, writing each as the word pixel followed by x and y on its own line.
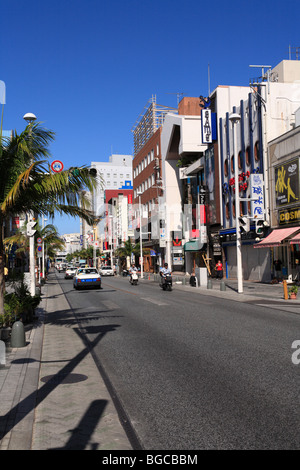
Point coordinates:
pixel 227 211
pixel 157 150
pixel 153 179
pixel 226 167
pixel 152 155
pixel 232 164
pixel 146 184
pixel 240 161
pixel 248 161
pixel 256 151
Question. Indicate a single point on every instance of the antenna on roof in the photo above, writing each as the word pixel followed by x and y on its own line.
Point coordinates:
pixel 178 95
pixel 208 77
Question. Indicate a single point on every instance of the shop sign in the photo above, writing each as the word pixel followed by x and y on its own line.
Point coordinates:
pixel 287 183
pixel 289 216
pixel 257 196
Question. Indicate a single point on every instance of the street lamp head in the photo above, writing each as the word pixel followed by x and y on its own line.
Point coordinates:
pixel 29 117
pixel 234 117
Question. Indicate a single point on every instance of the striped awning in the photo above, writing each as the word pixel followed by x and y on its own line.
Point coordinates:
pixel 277 237
pixel 295 240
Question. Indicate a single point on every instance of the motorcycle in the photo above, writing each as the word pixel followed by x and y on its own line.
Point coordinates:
pixel 134 279
pixel 124 273
pixel 166 282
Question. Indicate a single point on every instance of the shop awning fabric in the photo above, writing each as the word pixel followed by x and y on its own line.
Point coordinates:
pixel 295 240
pixel 276 237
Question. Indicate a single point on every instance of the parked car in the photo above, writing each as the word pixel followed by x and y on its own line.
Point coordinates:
pixel 70 273
pixel 61 268
pixel 106 271
pixel 86 277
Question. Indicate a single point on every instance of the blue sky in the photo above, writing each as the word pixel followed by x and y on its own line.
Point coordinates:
pixel 86 69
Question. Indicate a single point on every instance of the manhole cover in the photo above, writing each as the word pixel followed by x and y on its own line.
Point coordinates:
pixel 64 378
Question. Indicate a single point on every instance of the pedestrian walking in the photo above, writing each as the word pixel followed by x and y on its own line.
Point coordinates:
pixel 219 269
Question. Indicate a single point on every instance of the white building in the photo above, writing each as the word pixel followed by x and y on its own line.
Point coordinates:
pixel 72 242
pixel 115 174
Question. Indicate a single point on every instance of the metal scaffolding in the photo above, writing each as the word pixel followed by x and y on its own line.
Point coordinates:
pixel 148 122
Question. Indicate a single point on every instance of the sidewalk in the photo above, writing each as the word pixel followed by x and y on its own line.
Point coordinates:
pixel 52 394
pixel 228 289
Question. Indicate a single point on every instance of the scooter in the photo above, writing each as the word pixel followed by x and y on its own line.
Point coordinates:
pixel 166 282
pixel 134 278
pixel 124 273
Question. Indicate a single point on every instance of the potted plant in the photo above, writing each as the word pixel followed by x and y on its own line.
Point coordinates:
pixel 293 292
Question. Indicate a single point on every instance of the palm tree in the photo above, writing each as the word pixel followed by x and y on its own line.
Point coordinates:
pixel 126 251
pixel 27 184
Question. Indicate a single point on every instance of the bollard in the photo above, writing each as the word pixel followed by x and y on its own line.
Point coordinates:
pixel 17 339
pixel 285 289
pixel 209 284
pixel 222 285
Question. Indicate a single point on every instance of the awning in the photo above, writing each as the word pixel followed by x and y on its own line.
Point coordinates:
pixel 276 237
pixel 193 245
pixel 295 240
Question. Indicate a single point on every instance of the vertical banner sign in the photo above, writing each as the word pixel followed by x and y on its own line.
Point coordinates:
pixel 206 126
pixel 257 193
pixel 130 212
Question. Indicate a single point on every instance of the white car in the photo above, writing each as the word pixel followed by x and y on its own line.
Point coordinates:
pixel 70 273
pixel 86 277
pixel 106 271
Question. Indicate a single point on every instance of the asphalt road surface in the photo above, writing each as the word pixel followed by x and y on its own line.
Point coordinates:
pixel 192 371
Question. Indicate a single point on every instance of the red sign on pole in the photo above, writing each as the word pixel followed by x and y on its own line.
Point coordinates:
pixel 57 166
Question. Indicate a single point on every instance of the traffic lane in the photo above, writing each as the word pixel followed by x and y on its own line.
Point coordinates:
pixel 255 345
pixel 208 371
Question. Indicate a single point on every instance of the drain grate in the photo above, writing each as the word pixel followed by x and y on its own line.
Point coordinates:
pixel 64 378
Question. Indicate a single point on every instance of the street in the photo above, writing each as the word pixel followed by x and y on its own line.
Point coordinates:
pixel 194 372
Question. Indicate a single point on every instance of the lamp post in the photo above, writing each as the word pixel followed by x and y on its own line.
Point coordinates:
pixel 111 240
pixel 141 242
pixel 43 250
pixel 235 118
pixel 29 117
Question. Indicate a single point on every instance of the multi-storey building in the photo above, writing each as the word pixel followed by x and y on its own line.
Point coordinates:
pixel 147 179
pixel 116 174
pixel 267 112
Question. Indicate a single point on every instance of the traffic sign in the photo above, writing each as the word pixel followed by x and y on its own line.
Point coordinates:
pixel 39 241
pixel 39 248
pixel 57 166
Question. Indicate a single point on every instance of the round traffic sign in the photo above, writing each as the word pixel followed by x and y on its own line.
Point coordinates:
pixel 39 248
pixel 39 240
pixel 57 166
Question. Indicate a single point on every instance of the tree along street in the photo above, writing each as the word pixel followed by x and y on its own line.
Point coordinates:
pixel 193 371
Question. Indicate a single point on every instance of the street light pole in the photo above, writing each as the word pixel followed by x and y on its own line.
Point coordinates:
pixel 141 242
pixel 43 250
pixel 111 240
pixel 29 117
pixel 235 118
